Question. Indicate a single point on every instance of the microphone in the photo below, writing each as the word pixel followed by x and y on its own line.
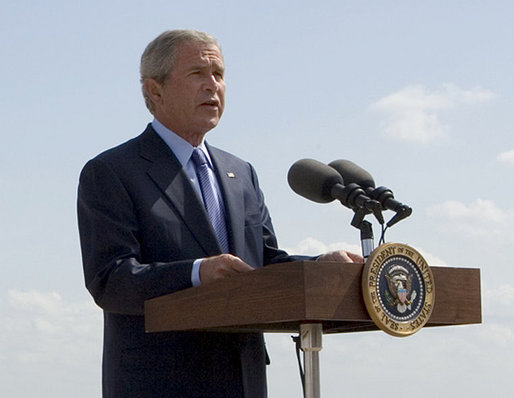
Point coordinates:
pixel 321 183
pixel 313 180
pixel 351 173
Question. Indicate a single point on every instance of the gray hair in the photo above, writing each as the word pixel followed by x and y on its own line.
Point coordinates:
pixel 159 56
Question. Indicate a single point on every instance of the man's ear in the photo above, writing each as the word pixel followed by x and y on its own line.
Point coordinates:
pixel 153 90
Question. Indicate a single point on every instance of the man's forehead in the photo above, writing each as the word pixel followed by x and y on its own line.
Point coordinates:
pixel 191 51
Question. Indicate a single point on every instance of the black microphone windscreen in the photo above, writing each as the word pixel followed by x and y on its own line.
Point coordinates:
pixel 313 180
pixel 352 173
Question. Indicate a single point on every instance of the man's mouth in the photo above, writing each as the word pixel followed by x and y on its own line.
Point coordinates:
pixel 212 102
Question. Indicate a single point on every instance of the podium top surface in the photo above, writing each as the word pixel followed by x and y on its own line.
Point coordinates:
pixel 280 297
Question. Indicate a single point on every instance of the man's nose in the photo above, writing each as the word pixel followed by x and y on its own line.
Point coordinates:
pixel 211 83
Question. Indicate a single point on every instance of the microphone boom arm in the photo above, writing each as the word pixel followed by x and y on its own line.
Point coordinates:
pixel 388 202
pixel 354 197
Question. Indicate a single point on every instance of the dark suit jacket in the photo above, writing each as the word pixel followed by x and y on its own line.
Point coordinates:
pixel 141 227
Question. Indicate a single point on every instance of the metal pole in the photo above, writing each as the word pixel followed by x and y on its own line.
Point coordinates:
pixel 367 242
pixel 310 343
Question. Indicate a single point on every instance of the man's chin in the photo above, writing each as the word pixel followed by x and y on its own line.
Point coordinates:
pixel 211 123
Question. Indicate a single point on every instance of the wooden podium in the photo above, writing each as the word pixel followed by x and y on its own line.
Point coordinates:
pixel 307 297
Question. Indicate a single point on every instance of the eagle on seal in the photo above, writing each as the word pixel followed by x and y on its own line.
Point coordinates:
pixel 399 282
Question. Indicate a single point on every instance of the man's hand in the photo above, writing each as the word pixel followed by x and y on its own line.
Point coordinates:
pixel 341 256
pixel 222 266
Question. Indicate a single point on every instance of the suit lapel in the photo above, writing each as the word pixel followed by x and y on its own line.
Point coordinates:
pixel 228 180
pixel 166 171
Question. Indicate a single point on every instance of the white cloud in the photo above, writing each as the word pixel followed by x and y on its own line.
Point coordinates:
pixel 430 258
pixel 502 296
pixel 348 360
pixel 506 157
pixel 478 219
pixel 413 113
pixel 47 315
pixel 312 247
pixel 499 305
pixel 498 315
pixel 45 335
pixel 58 343
pixel 46 303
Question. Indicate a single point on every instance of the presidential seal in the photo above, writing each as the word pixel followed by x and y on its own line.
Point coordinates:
pixel 398 289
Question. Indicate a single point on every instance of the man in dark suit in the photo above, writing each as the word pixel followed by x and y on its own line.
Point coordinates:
pixel 146 230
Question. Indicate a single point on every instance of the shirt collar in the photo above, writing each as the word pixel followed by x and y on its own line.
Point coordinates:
pixel 179 146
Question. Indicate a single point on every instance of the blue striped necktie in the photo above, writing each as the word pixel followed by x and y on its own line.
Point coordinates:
pixel 211 199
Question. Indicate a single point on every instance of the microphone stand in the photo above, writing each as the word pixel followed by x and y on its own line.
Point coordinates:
pixel 311 333
pixel 310 342
pixel 310 339
pixel 367 243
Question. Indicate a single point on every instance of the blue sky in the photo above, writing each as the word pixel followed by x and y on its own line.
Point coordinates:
pixel 418 93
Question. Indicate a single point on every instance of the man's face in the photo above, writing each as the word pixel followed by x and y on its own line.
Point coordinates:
pixel 192 98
